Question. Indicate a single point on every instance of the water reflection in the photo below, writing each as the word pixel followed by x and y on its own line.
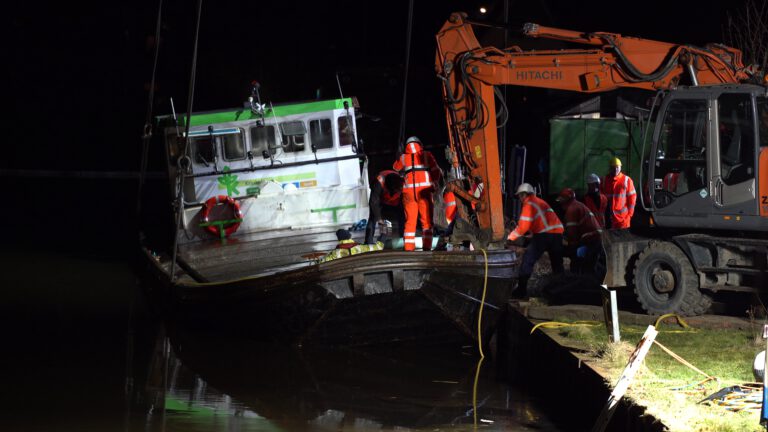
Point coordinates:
pixel 217 384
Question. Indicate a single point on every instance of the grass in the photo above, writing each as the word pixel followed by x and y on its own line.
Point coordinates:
pixel 670 390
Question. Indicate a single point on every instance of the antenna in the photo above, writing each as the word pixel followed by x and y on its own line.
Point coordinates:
pixel 175 120
pixel 341 94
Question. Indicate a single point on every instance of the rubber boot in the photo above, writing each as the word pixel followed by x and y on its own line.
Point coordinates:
pixel 426 240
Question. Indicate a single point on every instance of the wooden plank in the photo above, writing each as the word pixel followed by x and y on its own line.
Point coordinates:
pixel 635 360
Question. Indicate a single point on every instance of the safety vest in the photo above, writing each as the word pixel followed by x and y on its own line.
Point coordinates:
pixel 598 209
pixel 538 217
pixel 418 167
pixel 387 197
pixel 450 206
pixel 581 225
pixel 620 190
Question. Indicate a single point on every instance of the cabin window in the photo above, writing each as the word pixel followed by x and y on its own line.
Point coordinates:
pixel 204 150
pixel 233 146
pixel 762 118
pixel 737 141
pixel 346 137
pixel 263 138
pixel 681 154
pixel 321 134
pixel 294 136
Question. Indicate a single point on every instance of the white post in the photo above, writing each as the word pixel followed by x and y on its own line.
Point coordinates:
pixel 611 311
pixel 635 360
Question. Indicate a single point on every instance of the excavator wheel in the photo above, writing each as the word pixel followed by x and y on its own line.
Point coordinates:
pixel 665 282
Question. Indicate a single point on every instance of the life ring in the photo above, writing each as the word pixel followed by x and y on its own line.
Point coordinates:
pixel 214 228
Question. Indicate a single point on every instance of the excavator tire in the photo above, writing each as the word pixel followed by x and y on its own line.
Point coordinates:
pixel 665 282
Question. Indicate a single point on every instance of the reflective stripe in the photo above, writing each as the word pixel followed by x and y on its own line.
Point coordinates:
pixel 526 218
pixel 409 241
pixel 409 234
pixel 632 193
pixel 552 227
pixel 540 214
pixel 624 210
pixel 424 184
pixel 450 204
pixel 412 146
pixel 417 166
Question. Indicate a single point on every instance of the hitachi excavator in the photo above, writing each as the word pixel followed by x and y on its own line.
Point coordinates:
pixel 704 186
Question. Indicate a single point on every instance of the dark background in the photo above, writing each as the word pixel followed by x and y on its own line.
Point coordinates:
pixel 79 78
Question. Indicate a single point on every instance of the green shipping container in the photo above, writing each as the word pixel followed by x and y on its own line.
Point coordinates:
pixel 579 147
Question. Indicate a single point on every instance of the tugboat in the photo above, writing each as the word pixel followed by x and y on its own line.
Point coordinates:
pixel 260 192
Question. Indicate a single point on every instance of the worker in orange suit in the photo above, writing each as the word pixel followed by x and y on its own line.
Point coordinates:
pixel 621 194
pixel 595 200
pixel 385 203
pixel 450 207
pixel 582 233
pixel 421 173
pixel 539 218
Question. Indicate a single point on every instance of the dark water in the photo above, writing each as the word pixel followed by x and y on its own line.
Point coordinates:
pixel 81 353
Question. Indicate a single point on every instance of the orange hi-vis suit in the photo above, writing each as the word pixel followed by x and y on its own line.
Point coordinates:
pixel 421 172
pixel 538 217
pixel 581 225
pixel 597 208
pixel 388 197
pixel 450 206
pixel 620 191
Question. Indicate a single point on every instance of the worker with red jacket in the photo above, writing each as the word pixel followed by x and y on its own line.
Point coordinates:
pixel 595 200
pixel 385 202
pixel 621 194
pixel 539 218
pixel 421 173
pixel 582 233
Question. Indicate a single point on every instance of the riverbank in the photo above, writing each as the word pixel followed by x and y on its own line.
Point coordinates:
pixel 575 362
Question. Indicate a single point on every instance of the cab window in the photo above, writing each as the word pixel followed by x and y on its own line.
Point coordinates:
pixel 762 118
pixel 737 141
pixel 321 134
pixel 233 146
pixel 680 165
pixel 293 134
pixel 263 140
pixel 203 149
pixel 346 137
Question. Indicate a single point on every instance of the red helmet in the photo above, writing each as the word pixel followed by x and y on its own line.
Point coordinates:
pixel 566 195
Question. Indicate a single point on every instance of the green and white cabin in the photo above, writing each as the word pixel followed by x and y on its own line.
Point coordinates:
pixel 290 166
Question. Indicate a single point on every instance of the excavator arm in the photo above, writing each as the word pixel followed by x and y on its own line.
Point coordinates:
pixel 469 73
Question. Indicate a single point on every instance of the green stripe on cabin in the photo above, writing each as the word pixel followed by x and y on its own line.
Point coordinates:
pixel 201 119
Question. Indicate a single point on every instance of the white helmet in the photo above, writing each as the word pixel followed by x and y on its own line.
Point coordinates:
pixel 525 187
pixel 593 178
pixel 413 139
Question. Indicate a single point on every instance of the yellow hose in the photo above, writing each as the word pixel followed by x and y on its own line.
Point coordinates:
pixel 482 303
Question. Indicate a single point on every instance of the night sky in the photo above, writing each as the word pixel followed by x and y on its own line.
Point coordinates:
pixel 79 76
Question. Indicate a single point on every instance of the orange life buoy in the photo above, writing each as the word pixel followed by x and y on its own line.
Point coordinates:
pixel 214 228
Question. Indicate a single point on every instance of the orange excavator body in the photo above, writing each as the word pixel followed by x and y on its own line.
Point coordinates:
pixel 469 72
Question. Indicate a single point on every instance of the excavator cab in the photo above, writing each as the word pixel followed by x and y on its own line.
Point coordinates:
pixel 704 171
